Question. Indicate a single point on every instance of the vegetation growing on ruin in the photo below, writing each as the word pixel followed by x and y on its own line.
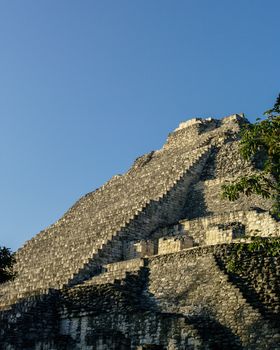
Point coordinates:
pixel 269 245
pixel 262 140
pixel 7 260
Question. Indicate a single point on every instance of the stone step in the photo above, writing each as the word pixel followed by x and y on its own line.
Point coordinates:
pixel 126 265
pixel 109 277
pixel 60 263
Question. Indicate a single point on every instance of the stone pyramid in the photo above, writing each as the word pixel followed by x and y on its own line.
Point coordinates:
pixel 168 202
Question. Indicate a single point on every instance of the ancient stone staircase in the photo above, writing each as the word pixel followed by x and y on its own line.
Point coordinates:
pixel 253 307
pixel 117 272
pixel 58 256
pixel 144 221
pixel 192 283
pixel 261 290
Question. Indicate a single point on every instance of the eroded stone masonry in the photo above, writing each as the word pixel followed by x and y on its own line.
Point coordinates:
pixel 140 263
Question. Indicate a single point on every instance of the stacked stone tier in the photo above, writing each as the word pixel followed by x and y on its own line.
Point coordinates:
pixel 116 272
pixel 89 234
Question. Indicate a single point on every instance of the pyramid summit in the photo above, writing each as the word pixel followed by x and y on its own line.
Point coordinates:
pixel 141 262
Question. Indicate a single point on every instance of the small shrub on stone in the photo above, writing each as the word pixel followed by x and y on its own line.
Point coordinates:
pixel 269 245
pixel 7 260
pixel 261 139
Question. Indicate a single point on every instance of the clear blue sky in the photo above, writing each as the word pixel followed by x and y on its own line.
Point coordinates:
pixel 88 86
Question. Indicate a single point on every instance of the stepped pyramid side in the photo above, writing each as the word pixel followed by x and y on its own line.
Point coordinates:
pixel 159 190
pixel 142 262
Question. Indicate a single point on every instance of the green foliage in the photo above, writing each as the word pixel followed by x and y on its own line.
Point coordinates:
pixel 7 260
pixel 260 139
pixel 269 245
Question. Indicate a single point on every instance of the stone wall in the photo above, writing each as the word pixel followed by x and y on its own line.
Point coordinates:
pixel 183 300
pixel 145 248
pixel 206 199
pixel 30 323
pixel 139 249
pixel 225 227
pixel 174 244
